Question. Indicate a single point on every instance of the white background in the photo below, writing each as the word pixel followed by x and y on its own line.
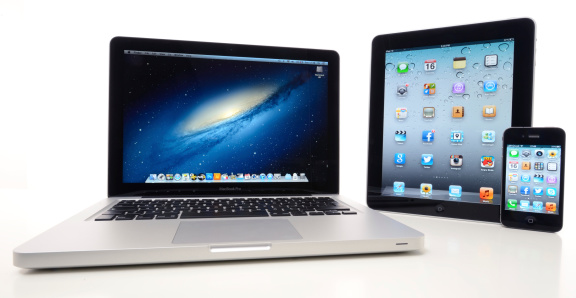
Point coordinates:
pixel 54 98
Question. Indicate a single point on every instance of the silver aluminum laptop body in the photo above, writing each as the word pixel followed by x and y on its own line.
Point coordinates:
pixel 190 122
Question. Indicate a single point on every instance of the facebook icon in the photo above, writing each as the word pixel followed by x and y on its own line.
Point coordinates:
pixel 525 190
pixel 428 135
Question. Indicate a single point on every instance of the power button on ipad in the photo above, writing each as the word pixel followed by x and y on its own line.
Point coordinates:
pixel 440 208
pixel 530 220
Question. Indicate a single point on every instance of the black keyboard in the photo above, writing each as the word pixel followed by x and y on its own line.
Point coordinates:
pixel 218 208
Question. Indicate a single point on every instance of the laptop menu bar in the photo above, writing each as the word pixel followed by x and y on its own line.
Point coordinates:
pixel 184 55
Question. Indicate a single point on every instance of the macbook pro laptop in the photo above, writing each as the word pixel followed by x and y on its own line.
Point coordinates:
pixel 219 152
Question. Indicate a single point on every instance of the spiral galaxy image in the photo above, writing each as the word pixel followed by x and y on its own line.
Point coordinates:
pixel 192 115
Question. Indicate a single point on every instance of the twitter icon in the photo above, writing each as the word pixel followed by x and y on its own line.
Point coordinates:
pixel 427 159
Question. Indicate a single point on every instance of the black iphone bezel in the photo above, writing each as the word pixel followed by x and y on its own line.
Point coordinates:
pixel 523 32
pixel 531 220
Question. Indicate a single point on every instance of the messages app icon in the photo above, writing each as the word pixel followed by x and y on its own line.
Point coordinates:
pixel 514 153
pixel 402 67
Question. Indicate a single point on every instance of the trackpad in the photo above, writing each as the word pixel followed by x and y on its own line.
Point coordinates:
pixel 216 231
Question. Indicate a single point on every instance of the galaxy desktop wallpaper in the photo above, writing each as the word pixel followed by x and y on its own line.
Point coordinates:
pixel 195 115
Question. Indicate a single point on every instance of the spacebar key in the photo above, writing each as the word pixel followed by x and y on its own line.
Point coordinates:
pixel 223 214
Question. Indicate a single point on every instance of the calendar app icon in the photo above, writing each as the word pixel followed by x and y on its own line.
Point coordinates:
pixel 430 65
pixel 490 60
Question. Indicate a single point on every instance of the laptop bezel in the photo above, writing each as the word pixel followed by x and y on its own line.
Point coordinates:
pixel 523 32
pixel 328 184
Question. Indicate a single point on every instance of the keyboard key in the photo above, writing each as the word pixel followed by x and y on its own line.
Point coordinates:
pixel 280 214
pixel 145 217
pixel 295 213
pixel 105 217
pixel 125 217
pixel 349 212
pixel 315 213
pixel 332 213
pixel 166 216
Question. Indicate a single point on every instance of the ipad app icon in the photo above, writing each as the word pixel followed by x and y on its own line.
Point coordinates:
pixel 399 158
pixel 430 89
pixel 402 67
pixel 428 136
pixel 488 136
pixel 487 161
pixel 550 206
pixel 401 113
pixel 491 60
pixel 455 191
pixel 457 136
pixel 399 187
pixel 459 62
pixel 400 136
pixel 456 160
pixel 489 111
pixel 427 159
pixel 490 86
pixel 426 189
pixel 430 65
pixel 402 90
pixel 428 112
pixel 457 112
pixel 513 165
pixel 486 193
pixel 458 88
pixel 512 204
pixel 512 189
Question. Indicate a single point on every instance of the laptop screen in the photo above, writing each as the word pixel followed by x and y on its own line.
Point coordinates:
pixel 198 119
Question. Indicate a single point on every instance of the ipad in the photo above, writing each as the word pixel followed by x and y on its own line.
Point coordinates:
pixel 440 100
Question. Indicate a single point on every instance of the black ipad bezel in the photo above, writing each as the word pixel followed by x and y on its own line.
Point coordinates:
pixel 523 32
pixel 327 184
pixel 546 136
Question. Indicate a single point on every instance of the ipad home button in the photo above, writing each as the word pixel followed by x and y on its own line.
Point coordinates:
pixel 440 208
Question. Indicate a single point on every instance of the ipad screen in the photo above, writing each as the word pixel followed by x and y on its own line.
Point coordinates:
pixel 445 108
